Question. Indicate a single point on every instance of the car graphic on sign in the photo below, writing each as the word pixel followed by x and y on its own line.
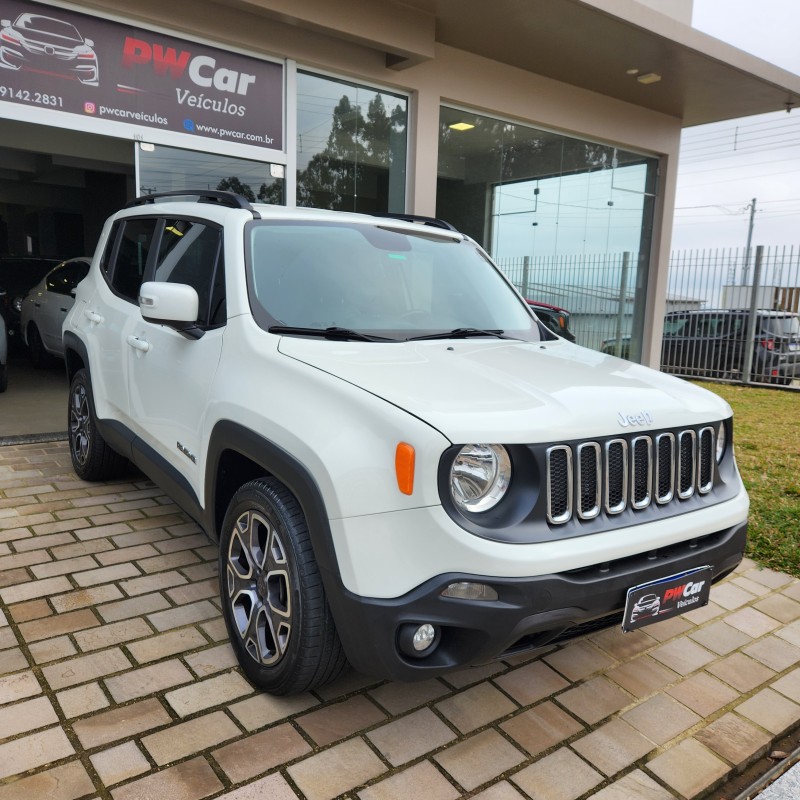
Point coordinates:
pixel 647 605
pixel 48 45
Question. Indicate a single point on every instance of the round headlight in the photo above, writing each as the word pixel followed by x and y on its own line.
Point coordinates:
pixel 722 441
pixel 480 476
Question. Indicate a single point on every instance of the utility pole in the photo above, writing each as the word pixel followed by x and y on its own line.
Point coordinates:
pixel 746 268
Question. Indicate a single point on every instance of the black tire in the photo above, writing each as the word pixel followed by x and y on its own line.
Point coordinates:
pixel 272 595
pixel 40 358
pixel 3 377
pixel 92 458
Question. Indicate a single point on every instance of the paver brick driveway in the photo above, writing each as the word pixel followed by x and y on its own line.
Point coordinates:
pixel 116 680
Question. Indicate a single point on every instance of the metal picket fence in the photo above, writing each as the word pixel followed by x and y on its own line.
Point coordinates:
pixel 732 314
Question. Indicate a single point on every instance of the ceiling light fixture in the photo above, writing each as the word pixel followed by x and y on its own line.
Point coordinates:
pixel 632 71
pixel 649 77
pixel 461 126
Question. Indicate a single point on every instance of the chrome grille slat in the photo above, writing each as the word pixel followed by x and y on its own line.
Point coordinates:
pixel 687 463
pixel 665 468
pixel 705 460
pixel 616 476
pixel 628 473
pixel 641 471
pixel 559 492
pixel 588 480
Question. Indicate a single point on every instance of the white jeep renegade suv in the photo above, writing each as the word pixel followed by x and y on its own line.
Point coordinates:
pixel 403 468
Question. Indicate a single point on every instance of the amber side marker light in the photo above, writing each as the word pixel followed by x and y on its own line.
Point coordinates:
pixel 404 467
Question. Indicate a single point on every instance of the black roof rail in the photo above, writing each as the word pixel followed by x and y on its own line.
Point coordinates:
pixel 229 199
pixel 433 222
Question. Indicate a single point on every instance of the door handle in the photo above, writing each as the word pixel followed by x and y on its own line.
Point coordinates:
pixel 138 344
pixel 93 316
pixel 37 304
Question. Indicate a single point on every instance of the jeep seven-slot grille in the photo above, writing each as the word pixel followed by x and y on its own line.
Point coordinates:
pixel 589 478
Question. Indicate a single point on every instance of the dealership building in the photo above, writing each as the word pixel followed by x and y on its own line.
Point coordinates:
pixel 548 130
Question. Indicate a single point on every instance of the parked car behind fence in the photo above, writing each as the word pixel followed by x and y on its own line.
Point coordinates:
pixel 712 344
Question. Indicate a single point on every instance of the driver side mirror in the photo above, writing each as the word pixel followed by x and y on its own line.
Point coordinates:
pixel 172 304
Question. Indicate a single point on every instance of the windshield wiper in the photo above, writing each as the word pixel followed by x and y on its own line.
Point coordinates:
pixel 330 333
pixel 462 333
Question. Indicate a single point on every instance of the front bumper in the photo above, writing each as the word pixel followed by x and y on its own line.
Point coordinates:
pixel 530 611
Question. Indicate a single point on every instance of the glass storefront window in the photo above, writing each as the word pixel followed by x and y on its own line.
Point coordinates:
pixel 351 146
pixel 169 169
pixel 568 220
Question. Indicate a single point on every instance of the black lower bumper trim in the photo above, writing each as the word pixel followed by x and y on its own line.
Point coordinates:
pixel 529 612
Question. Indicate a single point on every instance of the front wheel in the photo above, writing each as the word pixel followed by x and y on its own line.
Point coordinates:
pixel 92 458
pixel 273 599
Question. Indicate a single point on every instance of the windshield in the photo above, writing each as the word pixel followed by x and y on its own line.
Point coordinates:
pixel 387 282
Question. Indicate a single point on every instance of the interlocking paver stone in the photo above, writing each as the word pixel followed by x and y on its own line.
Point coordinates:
pixel 774 652
pixel 689 768
pixel 472 708
pixel 26 716
pixel 82 700
pixel 634 786
pixel 661 718
pixel 336 770
pixel 261 752
pixel 190 780
pixel 771 710
pixel 531 682
pixel 421 780
pixel 789 685
pixel 334 722
pixel 28 752
pixel 399 697
pixel 703 693
pixel 683 655
pixel 85 668
pixel 479 759
pixel 579 660
pixel 119 763
pixel 642 676
pixel 273 787
pixel 120 723
pixel 541 728
pixel 211 659
pixel 613 747
pixel 147 680
pixel 733 738
pixel 594 700
pixel 166 644
pixel 66 782
pixel 200 733
pixel 201 695
pixel 741 672
pixel 411 736
pixel 560 776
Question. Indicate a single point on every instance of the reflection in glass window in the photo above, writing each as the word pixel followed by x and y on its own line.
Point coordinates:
pixel 351 146
pixel 568 220
pixel 170 169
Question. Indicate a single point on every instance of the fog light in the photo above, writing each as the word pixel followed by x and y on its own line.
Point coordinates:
pixel 466 590
pixel 418 640
pixel 424 637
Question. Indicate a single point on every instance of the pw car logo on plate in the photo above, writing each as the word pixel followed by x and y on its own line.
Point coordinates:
pixel 667 597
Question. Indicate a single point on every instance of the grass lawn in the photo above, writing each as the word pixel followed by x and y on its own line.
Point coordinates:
pixel 766 434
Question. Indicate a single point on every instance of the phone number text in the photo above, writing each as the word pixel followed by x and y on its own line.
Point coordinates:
pixel 24 96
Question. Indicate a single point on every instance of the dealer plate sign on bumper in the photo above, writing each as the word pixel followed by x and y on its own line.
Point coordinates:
pixel 667 597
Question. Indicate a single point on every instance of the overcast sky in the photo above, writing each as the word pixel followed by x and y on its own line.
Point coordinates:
pixel 725 165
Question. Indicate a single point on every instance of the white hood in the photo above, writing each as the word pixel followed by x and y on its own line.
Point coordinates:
pixel 512 392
